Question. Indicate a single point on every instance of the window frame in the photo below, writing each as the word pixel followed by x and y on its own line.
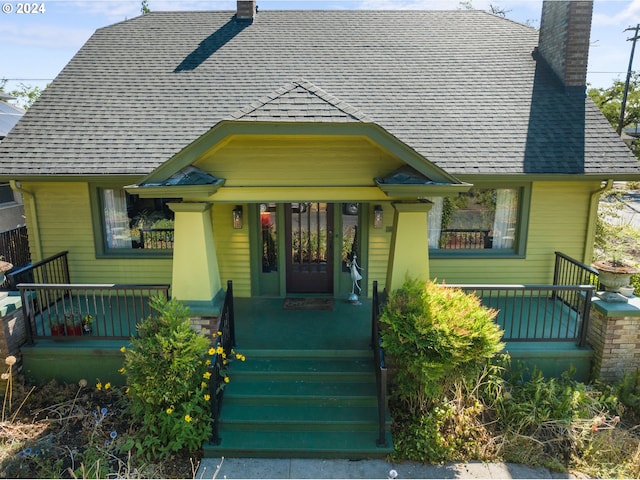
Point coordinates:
pixel 522 228
pixel 102 249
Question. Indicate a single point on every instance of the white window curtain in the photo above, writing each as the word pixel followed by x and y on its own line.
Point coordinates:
pixel 434 221
pixel 504 225
pixel 115 218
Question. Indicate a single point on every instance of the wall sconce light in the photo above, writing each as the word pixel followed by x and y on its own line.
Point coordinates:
pixel 237 216
pixel 377 216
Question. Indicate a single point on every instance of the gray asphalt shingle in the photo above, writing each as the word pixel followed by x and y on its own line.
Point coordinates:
pixel 459 87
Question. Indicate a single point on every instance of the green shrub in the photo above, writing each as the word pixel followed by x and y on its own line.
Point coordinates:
pixel 167 377
pixel 435 335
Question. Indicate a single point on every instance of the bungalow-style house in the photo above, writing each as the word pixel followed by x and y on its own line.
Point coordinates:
pixel 284 150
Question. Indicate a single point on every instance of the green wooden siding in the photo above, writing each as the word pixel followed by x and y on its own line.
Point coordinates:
pixel 557 221
pixel 379 244
pixel 298 161
pixel 233 249
pixel 64 215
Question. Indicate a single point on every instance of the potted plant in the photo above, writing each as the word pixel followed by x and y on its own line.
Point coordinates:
pixel 73 325
pixel 57 328
pixel 615 273
pixel 87 324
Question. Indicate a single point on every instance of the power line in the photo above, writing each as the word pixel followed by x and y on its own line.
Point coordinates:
pixel 626 85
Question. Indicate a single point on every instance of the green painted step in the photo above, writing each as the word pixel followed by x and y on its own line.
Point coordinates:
pixel 313 417
pixel 301 403
pixel 299 444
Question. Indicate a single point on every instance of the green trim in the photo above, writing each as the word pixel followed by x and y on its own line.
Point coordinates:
pixel 189 206
pixel 417 190
pixel 99 240
pixel 615 309
pixel 412 207
pixel 175 191
pixel 224 130
pixel 520 249
pixel 575 177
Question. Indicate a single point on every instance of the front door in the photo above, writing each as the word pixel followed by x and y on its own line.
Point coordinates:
pixel 309 247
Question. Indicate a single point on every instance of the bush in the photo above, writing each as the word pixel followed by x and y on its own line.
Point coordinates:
pixel 435 336
pixel 167 377
pixel 439 340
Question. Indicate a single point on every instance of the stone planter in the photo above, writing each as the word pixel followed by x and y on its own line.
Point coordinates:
pixel 614 275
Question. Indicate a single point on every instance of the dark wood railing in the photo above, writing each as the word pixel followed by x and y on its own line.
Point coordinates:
pixel 14 248
pixel 54 269
pixel 227 340
pixel 68 311
pixel 380 367
pixel 569 271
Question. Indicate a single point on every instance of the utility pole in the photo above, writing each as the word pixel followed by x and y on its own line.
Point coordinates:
pixel 626 84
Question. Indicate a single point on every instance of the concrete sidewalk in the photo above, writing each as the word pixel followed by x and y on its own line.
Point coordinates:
pixel 236 468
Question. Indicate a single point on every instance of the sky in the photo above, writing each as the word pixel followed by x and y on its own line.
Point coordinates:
pixel 35 46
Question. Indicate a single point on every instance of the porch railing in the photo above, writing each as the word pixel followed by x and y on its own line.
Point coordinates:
pixel 216 382
pixel 54 269
pixel 68 311
pixel 380 367
pixel 538 313
pixel 569 271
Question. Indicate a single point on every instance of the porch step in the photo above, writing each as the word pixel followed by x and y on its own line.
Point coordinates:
pixel 301 404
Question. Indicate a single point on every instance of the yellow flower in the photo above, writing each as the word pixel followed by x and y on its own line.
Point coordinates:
pixel 203 384
pixel 99 386
pixel 224 355
pixel 127 390
pixel 226 379
pixel 122 370
pixel 212 351
pixel 187 418
pixel 107 386
pixel 219 333
pixel 220 350
pixel 123 349
pixel 207 375
pixel 224 362
pixel 207 362
pixel 169 411
pixel 207 397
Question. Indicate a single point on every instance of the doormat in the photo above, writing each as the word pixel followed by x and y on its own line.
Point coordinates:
pixel 308 304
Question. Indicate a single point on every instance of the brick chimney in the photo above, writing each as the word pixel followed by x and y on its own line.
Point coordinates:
pixel 565 28
pixel 246 10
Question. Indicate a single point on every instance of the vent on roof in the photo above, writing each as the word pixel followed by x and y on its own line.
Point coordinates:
pixel 246 10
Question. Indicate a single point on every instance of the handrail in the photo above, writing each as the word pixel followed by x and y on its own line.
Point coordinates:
pixel 380 368
pixel 227 340
pixel 569 271
pixel 53 269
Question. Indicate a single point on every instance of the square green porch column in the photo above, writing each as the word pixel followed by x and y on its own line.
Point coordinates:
pixel 409 252
pixel 196 276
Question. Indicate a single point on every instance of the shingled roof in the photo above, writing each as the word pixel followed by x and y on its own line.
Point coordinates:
pixel 461 88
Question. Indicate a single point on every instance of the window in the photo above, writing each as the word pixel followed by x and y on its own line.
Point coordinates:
pixel 131 223
pixel 481 219
pixel 268 227
pixel 6 194
pixel 350 240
